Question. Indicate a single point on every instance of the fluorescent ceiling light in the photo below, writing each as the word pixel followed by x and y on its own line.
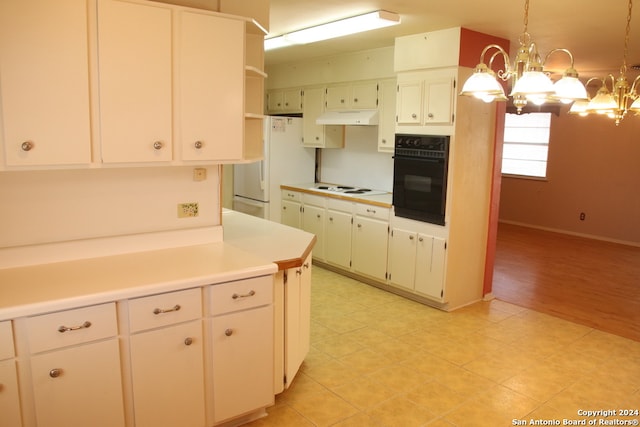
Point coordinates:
pixel 343 27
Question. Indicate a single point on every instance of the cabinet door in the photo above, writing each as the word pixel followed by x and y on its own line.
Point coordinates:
pixel 79 386
pixel 211 81
pixel 364 96
pixel 242 362
pixel 291 214
pixel 438 101
pixel 409 102
pixel 338 238
pixel 387 110
pixel 402 258
pixel 9 400
pixel 167 370
pixel 292 101
pixel 275 101
pixel 338 97
pixel 430 261
pixel 44 82
pixel 312 134
pixel 370 242
pixel 313 222
pixel 134 52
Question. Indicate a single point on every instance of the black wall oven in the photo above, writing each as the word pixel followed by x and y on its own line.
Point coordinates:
pixel 420 177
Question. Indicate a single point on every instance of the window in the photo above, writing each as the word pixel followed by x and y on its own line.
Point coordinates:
pixel 526 143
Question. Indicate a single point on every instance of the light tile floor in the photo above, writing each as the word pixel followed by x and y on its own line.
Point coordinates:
pixel 378 359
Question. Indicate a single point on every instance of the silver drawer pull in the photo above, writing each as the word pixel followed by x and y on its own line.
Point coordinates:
pixel 373 211
pixel 55 373
pixel 167 310
pixel 63 328
pixel 228 332
pixel 250 294
pixel 26 146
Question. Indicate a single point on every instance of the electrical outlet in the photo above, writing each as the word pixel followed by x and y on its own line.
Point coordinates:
pixel 187 210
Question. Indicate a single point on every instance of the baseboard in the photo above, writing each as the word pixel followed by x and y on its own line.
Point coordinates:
pixel 572 233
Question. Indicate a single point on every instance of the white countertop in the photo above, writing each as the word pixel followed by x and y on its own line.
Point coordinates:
pixel 383 200
pixel 43 288
pixel 284 245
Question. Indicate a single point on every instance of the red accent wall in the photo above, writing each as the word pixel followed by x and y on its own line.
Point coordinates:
pixel 472 43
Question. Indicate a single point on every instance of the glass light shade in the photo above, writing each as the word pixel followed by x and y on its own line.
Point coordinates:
pixel 570 89
pixel 579 107
pixel 603 102
pixel 533 83
pixel 635 106
pixel 483 85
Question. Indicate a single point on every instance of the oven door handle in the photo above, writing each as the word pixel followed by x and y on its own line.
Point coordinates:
pixel 419 159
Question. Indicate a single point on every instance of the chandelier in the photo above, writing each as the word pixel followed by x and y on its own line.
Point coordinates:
pixel 530 83
pixel 622 97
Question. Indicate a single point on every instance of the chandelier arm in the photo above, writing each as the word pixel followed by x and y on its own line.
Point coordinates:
pixel 559 49
pixel 499 51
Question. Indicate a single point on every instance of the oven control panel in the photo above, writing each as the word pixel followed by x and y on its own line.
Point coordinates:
pixel 429 146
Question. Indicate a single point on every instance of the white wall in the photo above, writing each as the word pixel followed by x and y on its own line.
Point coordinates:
pixel 61 205
pixel 359 163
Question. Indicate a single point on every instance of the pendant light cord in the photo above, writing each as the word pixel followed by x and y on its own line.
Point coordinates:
pixel 623 69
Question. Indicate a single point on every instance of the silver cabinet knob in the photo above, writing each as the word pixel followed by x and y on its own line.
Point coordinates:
pixel 305 265
pixel 359 225
pixel 410 237
pixel 188 341
pixel 430 115
pixel 384 141
pixel 414 115
pixel 198 145
pixel 55 373
pixel 228 332
pixel 420 239
pixel 318 216
pixel 355 99
pixel 158 145
pixel 26 146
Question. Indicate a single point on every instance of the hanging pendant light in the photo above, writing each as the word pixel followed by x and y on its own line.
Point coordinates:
pixel 622 97
pixel 530 82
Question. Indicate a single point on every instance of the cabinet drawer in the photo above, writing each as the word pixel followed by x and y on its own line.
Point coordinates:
pixel 164 309
pixel 291 195
pixel 310 199
pixel 339 205
pixel 372 211
pixel 235 296
pixel 71 327
pixel 6 340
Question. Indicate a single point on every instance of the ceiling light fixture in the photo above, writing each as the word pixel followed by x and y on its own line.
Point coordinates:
pixel 530 82
pixel 343 27
pixel 621 99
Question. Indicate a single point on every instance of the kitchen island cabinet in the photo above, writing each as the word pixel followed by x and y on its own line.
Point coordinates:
pixel 9 394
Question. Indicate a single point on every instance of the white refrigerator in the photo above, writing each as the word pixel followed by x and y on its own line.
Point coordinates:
pixel 256 186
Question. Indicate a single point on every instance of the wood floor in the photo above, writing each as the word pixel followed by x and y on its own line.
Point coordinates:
pixel 586 281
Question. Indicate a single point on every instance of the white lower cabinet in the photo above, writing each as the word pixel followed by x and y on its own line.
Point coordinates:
pixel 370 238
pixel 297 324
pixel 242 370
pixel 75 368
pixel 167 365
pixel 242 343
pixel 79 386
pixel 291 209
pixel 9 396
pixel 417 263
pixel 338 238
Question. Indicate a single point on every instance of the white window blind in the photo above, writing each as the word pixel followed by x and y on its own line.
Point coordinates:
pixel 526 144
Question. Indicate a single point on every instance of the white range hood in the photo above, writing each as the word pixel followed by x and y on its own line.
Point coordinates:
pixel 349 117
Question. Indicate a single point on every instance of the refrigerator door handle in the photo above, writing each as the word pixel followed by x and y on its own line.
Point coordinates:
pixel 261 168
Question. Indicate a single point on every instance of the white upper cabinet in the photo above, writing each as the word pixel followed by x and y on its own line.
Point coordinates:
pixel 434 49
pixel 134 55
pixel 211 79
pixel 44 82
pixel 361 95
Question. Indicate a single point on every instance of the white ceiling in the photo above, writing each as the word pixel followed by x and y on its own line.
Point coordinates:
pixel 593 30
